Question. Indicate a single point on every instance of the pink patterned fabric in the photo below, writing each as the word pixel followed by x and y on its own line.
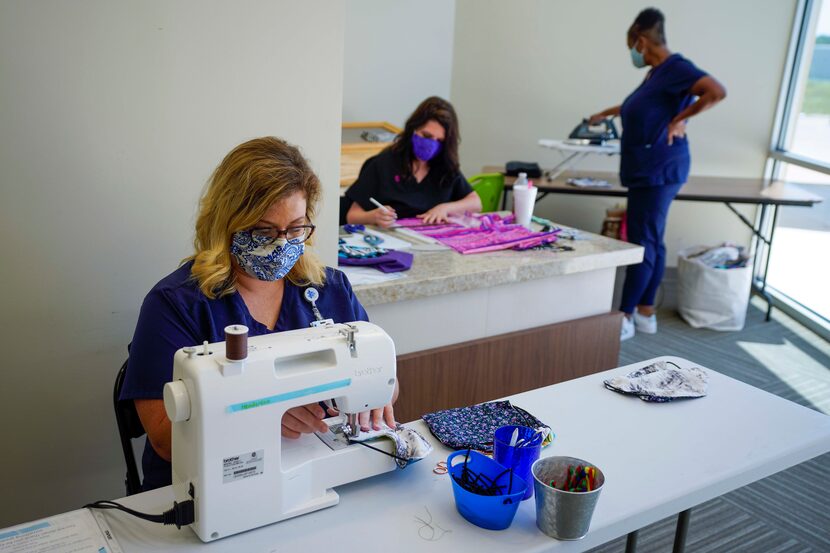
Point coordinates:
pixel 492 233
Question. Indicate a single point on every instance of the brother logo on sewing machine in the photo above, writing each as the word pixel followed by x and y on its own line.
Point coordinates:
pixel 368 371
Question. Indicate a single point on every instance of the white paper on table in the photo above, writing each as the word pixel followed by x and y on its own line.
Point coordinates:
pixel 389 242
pixel 368 275
pixel 76 531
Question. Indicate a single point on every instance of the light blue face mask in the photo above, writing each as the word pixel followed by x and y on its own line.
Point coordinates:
pixel 264 258
pixel 637 58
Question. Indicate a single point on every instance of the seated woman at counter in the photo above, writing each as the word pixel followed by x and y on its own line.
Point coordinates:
pixel 417 176
pixel 250 266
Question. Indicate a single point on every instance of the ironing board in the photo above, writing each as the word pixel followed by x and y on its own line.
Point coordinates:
pixel 574 153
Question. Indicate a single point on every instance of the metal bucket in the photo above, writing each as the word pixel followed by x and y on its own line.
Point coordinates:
pixel 562 514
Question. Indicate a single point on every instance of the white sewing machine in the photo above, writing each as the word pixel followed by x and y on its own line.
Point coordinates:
pixel 226 402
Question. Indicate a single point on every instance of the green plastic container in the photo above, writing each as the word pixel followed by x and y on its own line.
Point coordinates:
pixel 489 187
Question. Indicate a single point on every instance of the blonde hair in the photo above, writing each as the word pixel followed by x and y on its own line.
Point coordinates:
pixel 251 178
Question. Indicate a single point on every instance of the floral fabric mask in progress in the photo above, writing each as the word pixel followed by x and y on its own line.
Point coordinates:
pixel 263 258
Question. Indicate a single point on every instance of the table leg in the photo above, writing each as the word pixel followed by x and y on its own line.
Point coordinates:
pixel 631 542
pixel 760 243
pixel 682 531
pixel 766 262
pixel 761 246
pixel 564 165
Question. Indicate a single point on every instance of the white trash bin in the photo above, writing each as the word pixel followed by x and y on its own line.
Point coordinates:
pixel 709 297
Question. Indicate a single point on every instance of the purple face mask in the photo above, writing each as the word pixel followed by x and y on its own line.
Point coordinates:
pixel 425 148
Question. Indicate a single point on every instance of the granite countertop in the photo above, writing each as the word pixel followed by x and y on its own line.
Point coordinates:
pixel 446 271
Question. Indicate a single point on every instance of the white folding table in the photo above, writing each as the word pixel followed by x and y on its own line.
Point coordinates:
pixel 658 460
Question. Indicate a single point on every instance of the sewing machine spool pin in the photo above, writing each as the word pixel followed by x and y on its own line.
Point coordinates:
pixel 349 333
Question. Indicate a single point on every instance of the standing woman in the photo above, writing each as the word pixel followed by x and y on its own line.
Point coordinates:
pixel 655 158
pixel 418 175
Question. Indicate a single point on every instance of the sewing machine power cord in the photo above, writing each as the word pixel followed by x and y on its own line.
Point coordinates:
pixel 181 514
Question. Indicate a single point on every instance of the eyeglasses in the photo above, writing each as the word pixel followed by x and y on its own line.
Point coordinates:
pixel 294 235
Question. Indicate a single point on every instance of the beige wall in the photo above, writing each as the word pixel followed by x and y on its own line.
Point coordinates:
pixel 397 53
pixel 531 69
pixel 113 115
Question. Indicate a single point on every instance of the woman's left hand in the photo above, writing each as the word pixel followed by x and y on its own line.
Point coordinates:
pixel 376 417
pixel 438 214
pixel 676 129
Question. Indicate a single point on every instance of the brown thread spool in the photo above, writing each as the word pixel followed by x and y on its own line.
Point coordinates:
pixel 236 342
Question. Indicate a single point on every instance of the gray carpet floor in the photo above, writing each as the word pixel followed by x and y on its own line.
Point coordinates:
pixel 789 511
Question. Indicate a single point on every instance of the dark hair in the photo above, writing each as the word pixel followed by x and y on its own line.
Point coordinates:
pixel 650 22
pixel 446 162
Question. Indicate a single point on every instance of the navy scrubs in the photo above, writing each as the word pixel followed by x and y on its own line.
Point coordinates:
pixel 381 178
pixel 176 314
pixel 652 170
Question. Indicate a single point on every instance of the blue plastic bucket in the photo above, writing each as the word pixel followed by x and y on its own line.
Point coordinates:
pixel 519 458
pixel 493 512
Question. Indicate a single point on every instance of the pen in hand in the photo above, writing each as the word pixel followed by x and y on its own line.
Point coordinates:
pixel 380 206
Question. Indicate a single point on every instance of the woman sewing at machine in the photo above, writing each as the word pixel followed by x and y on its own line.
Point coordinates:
pixel 250 266
pixel 417 176
pixel 655 160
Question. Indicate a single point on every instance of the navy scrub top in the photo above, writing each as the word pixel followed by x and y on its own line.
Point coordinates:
pixel 380 178
pixel 646 157
pixel 176 314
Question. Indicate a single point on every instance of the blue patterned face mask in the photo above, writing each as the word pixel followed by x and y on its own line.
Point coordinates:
pixel 265 258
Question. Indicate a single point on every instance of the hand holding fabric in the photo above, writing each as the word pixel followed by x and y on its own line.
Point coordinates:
pixel 438 214
pixel 303 420
pixel 376 417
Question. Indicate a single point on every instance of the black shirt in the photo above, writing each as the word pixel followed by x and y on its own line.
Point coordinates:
pixel 380 178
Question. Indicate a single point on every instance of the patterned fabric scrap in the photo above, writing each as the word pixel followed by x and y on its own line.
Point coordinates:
pixel 482 233
pixel 473 427
pixel 410 445
pixel 660 383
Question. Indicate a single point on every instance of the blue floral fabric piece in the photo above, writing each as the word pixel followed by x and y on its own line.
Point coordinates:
pixel 265 258
pixel 473 427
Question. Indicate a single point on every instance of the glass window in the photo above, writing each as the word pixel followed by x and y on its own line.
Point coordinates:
pixel 797 271
pixel 798 262
pixel 808 134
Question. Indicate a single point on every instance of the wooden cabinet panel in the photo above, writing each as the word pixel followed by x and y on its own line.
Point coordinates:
pixel 490 368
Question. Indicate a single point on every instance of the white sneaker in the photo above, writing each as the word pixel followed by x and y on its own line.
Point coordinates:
pixel 627 330
pixel 645 324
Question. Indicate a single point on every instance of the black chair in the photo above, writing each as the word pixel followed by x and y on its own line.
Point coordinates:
pixel 345 204
pixel 129 427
